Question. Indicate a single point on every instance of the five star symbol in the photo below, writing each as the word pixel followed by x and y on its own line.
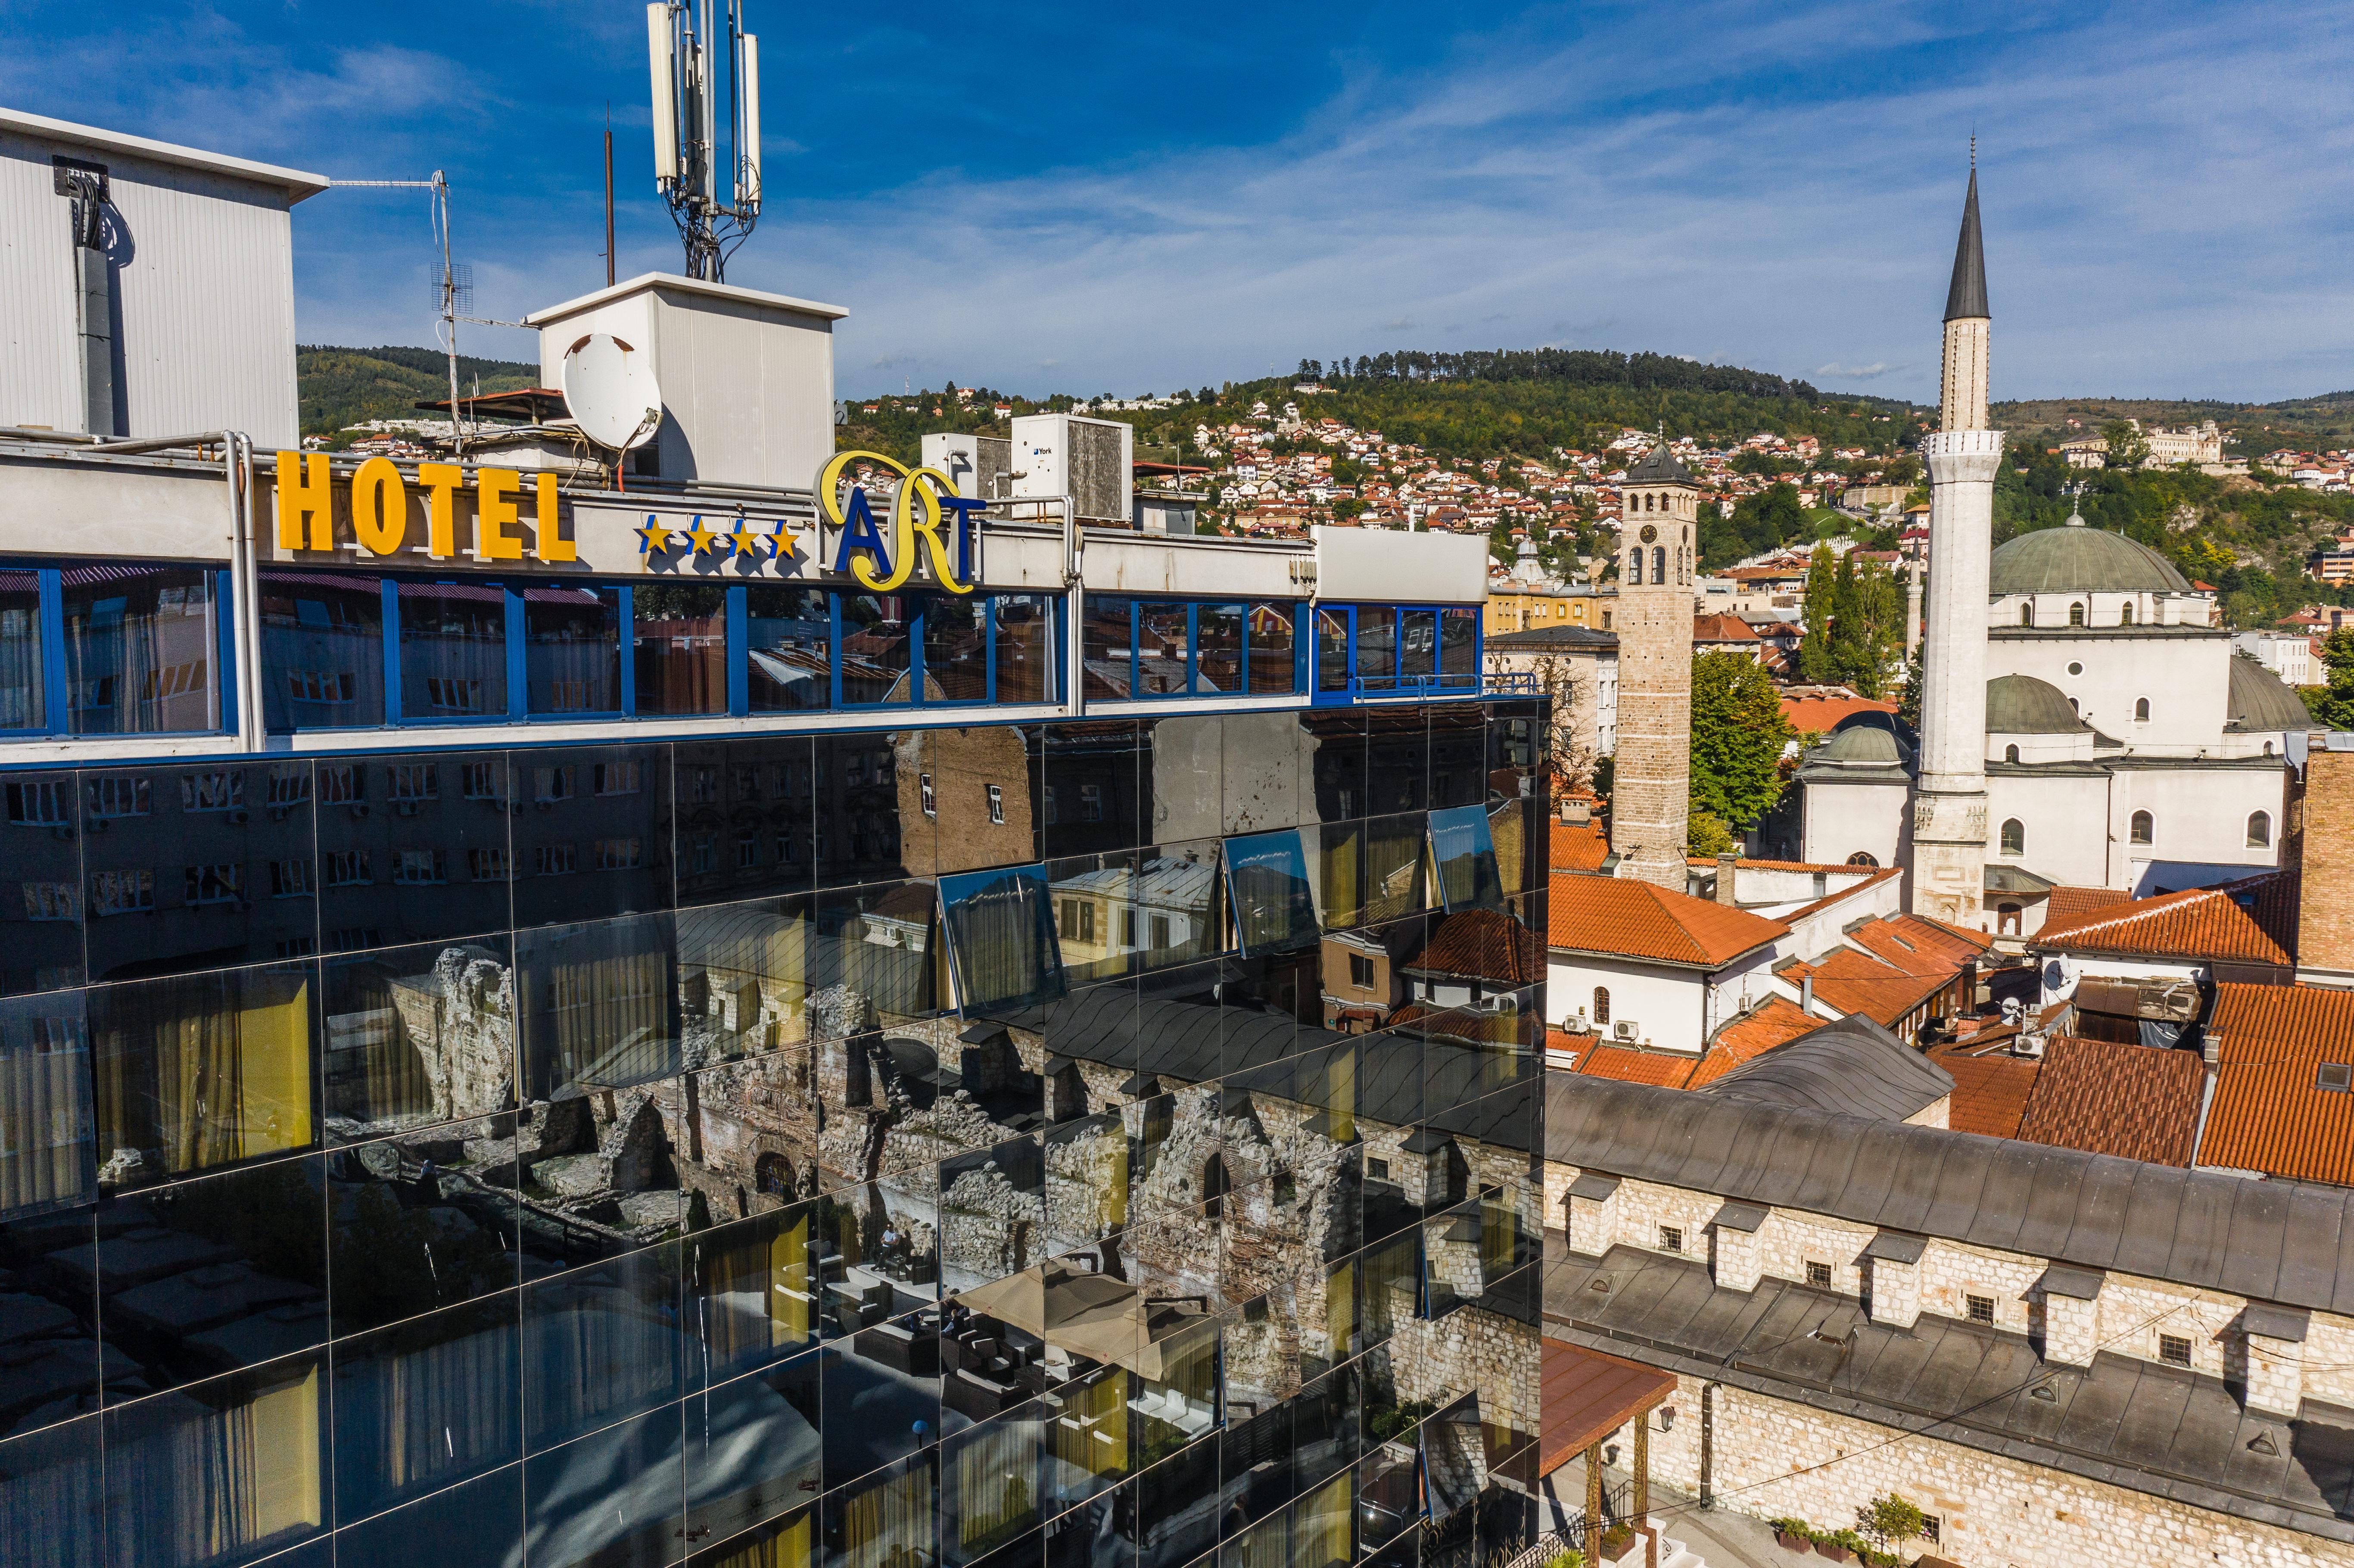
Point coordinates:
pixel 653 539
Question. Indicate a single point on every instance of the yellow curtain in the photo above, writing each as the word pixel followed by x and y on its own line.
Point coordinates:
pixel 1340 1309
pixel 889 1525
pixel 790 1298
pixel 788 1548
pixel 1091 1435
pixel 274 1063
pixel 1264 1545
pixel 1320 1524
pixel 1344 897
pixel 996 1481
pixel 284 1460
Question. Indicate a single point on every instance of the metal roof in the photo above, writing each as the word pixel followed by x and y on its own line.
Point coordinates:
pixel 2260 701
pixel 2286 1242
pixel 296 182
pixel 1658 466
pixel 1850 1064
pixel 2083 560
pixel 1966 297
pixel 2021 705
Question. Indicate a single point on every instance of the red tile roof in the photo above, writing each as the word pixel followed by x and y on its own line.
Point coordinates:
pixel 1636 1066
pixel 1751 1035
pixel 1721 629
pixel 2137 1102
pixel 1821 716
pixel 1858 983
pixel 2269 1114
pixel 1990 1092
pixel 1621 918
pixel 2068 905
pixel 1917 945
pixel 1579 846
pixel 1481 944
pixel 2200 923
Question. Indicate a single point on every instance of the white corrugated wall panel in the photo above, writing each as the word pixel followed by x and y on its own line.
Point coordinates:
pixel 40 376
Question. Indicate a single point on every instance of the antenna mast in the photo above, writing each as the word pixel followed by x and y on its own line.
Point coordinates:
pixel 682 46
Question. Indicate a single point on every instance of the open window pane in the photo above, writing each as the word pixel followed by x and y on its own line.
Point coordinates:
pixel 322 650
pixel 679 636
pixel 21 699
pixel 790 649
pixel 1002 932
pixel 140 643
pixel 1463 848
pixel 453 650
pixel 572 650
pixel 1267 874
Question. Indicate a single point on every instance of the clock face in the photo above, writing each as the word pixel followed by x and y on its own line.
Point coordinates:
pixel 1649 532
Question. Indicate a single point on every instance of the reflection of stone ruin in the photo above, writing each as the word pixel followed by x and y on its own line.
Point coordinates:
pixel 460 1018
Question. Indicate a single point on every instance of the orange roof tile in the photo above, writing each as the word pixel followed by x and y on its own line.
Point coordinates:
pixel 1636 1066
pixel 2269 1114
pixel 1721 629
pixel 1858 983
pixel 1481 944
pixel 2137 1102
pixel 2067 905
pixel 1751 1035
pixel 1625 919
pixel 1990 1092
pixel 1821 716
pixel 2198 922
pixel 1915 944
pixel 1579 846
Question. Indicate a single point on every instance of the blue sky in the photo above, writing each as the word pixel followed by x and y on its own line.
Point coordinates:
pixel 1087 200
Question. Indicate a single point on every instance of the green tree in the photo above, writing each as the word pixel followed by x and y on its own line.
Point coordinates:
pixel 2332 703
pixel 1908 704
pixel 2127 445
pixel 1817 659
pixel 1738 733
pixel 1889 1518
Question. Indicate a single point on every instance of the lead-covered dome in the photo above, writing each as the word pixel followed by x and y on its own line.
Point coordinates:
pixel 2077 559
pixel 2021 705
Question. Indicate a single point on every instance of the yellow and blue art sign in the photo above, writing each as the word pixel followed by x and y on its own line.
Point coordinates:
pixel 918 515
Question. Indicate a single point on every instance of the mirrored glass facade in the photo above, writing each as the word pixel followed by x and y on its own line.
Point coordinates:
pixel 1113 1141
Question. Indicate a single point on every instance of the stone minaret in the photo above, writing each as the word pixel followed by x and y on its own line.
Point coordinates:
pixel 1651 800
pixel 1949 808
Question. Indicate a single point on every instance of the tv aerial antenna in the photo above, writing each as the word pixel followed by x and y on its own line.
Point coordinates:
pixel 684 43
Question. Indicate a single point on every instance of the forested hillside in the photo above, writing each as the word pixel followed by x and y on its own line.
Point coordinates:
pixel 342 386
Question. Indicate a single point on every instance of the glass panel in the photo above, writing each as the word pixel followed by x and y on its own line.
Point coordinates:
pixel 1389 1495
pixel 613 1496
pixel 478 1524
pixel 858 810
pixel 592 834
pixel 989 1491
pixel 1096 920
pixel 1417 641
pixel 46 1149
pixel 1177 1508
pixel 1177 908
pixel 956 648
pixel 1001 927
pixel 679 631
pixel 885 1522
pixel 140 648
pixel 1394 861
pixel 1332 649
pixel 322 650
pixel 223 1471
pixel 759 1284
pixel 41 844
pixel 412 849
pixel 453 650
pixel 1321 1525
pixel 1218 661
pixel 53 1492
pixel 601 1343
pixel 1273 668
pixel 744 973
pixel 746 820
pixel 598 1004
pixel 1464 853
pixel 1109 655
pixel 1161 633
pixel 1025 648
pixel 205 1069
pixel 418 1036
pixel 1268 876
pixel 751 1456
pixel 878 941
pixel 572 650
pixel 1377 648
pixel 874 648
pixel 22 703
pixel 789 647
pixel 1458 649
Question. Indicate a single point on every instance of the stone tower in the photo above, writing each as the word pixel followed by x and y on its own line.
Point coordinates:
pixel 1949 806
pixel 1651 798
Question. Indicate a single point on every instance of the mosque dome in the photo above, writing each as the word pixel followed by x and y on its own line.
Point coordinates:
pixel 2078 559
pixel 2021 705
pixel 1861 745
pixel 2261 702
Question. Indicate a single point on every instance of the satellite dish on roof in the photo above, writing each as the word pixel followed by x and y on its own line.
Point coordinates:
pixel 609 388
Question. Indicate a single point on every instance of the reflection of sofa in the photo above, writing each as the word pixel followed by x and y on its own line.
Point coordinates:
pixel 972 1394
pixel 895 1345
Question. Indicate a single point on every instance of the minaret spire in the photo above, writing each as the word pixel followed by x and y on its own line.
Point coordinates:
pixel 1968 296
pixel 1962 396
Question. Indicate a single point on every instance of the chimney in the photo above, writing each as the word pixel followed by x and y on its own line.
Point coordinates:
pixel 1576 810
pixel 1806 994
pixel 1724 864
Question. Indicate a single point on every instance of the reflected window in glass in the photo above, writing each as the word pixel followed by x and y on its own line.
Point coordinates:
pixel 1164 636
pixel 1024 648
pixel 956 648
pixel 22 700
pixel 876 650
pixel 679 636
pixel 1111 655
pixel 141 648
pixel 1273 668
pixel 453 650
pixel 322 650
pixel 1219 663
pixel 789 648
pixel 572 650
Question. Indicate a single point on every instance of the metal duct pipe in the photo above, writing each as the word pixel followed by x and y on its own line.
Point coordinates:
pixel 96 301
pixel 1075 594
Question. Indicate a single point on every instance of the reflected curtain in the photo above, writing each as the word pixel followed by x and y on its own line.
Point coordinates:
pixel 1393 868
pixel 1090 1438
pixel 46 1154
pixel 602 1344
pixel 1340 850
pixel 604 1006
pixel 433 1403
pixel 759 1296
pixel 996 1481
pixel 216 1478
pixel 889 1525
pixel 786 1548
pixel 1003 932
pixel 1465 854
pixel 206 1068
pixel 1320 1537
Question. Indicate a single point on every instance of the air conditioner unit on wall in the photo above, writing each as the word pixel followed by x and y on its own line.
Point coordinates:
pixel 1092 461
pixel 1626 1029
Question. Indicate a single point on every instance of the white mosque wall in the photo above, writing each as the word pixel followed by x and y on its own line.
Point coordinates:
pixel 1844 820
pixel 2062 815
pixel 2198 824
pixel 2186 680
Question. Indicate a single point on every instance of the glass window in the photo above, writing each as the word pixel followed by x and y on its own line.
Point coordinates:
pixel 1458 647
pixel 598 1004
pixel 790 649
pixel 1024 648
pixel 2260 830
pixel 1218 642
pixel 874 648
pixel 1002 933
pixel 322 650
pixel 22 704
pixel 1162 632
pixel 1395 858
pixel 204 1070
pixel 678 633
pixel 1332 649
pixel 572 650
pixel 956 648
pixel 453 650
pixel 1417 641
pixel 1109 655
pixel 1463 849
pixel 1268 876
pixel 140 648
pixel 1377 647
pixel 1273 670
pixel 46 1134
pixel 2142 828
pixel 1176 901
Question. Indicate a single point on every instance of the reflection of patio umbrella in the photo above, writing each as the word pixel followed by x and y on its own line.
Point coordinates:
pixel 1090 1315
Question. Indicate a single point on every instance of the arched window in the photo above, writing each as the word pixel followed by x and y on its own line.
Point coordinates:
pixel 772 1174
pixel 1601 1005
pixel 2027 613
pixel 2125 616
pixel 1651 502
pixel 1861 857
pixel 1659 563
pixel 1634 566
pixel 2141 710
pixel 2075 615
pixel 2144 830
pixel 2014 836
pixel 2006 919
pixel 2260 830
pixel 2010 752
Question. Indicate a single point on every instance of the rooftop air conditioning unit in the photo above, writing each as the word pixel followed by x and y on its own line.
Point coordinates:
pixel 1626 1029
pixel 980 467
pixel 1092 461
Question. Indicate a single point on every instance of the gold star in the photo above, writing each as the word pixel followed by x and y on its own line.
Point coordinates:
pixel 652 540
pixel 700 538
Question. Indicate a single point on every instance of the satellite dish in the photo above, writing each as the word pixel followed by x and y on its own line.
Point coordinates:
pixel 609 388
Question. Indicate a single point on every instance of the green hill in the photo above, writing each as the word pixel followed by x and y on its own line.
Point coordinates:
pixel 2309 424
pixel 342 386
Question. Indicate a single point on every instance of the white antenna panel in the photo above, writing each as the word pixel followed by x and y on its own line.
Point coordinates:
pixel 609 388
pixel 748 181
pixel 666 77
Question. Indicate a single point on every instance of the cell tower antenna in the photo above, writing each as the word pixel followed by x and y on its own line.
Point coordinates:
pixel 694 128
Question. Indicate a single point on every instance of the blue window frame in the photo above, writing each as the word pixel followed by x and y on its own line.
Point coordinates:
pixel 1193 648
pixel 115 648
pixel 1404 649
